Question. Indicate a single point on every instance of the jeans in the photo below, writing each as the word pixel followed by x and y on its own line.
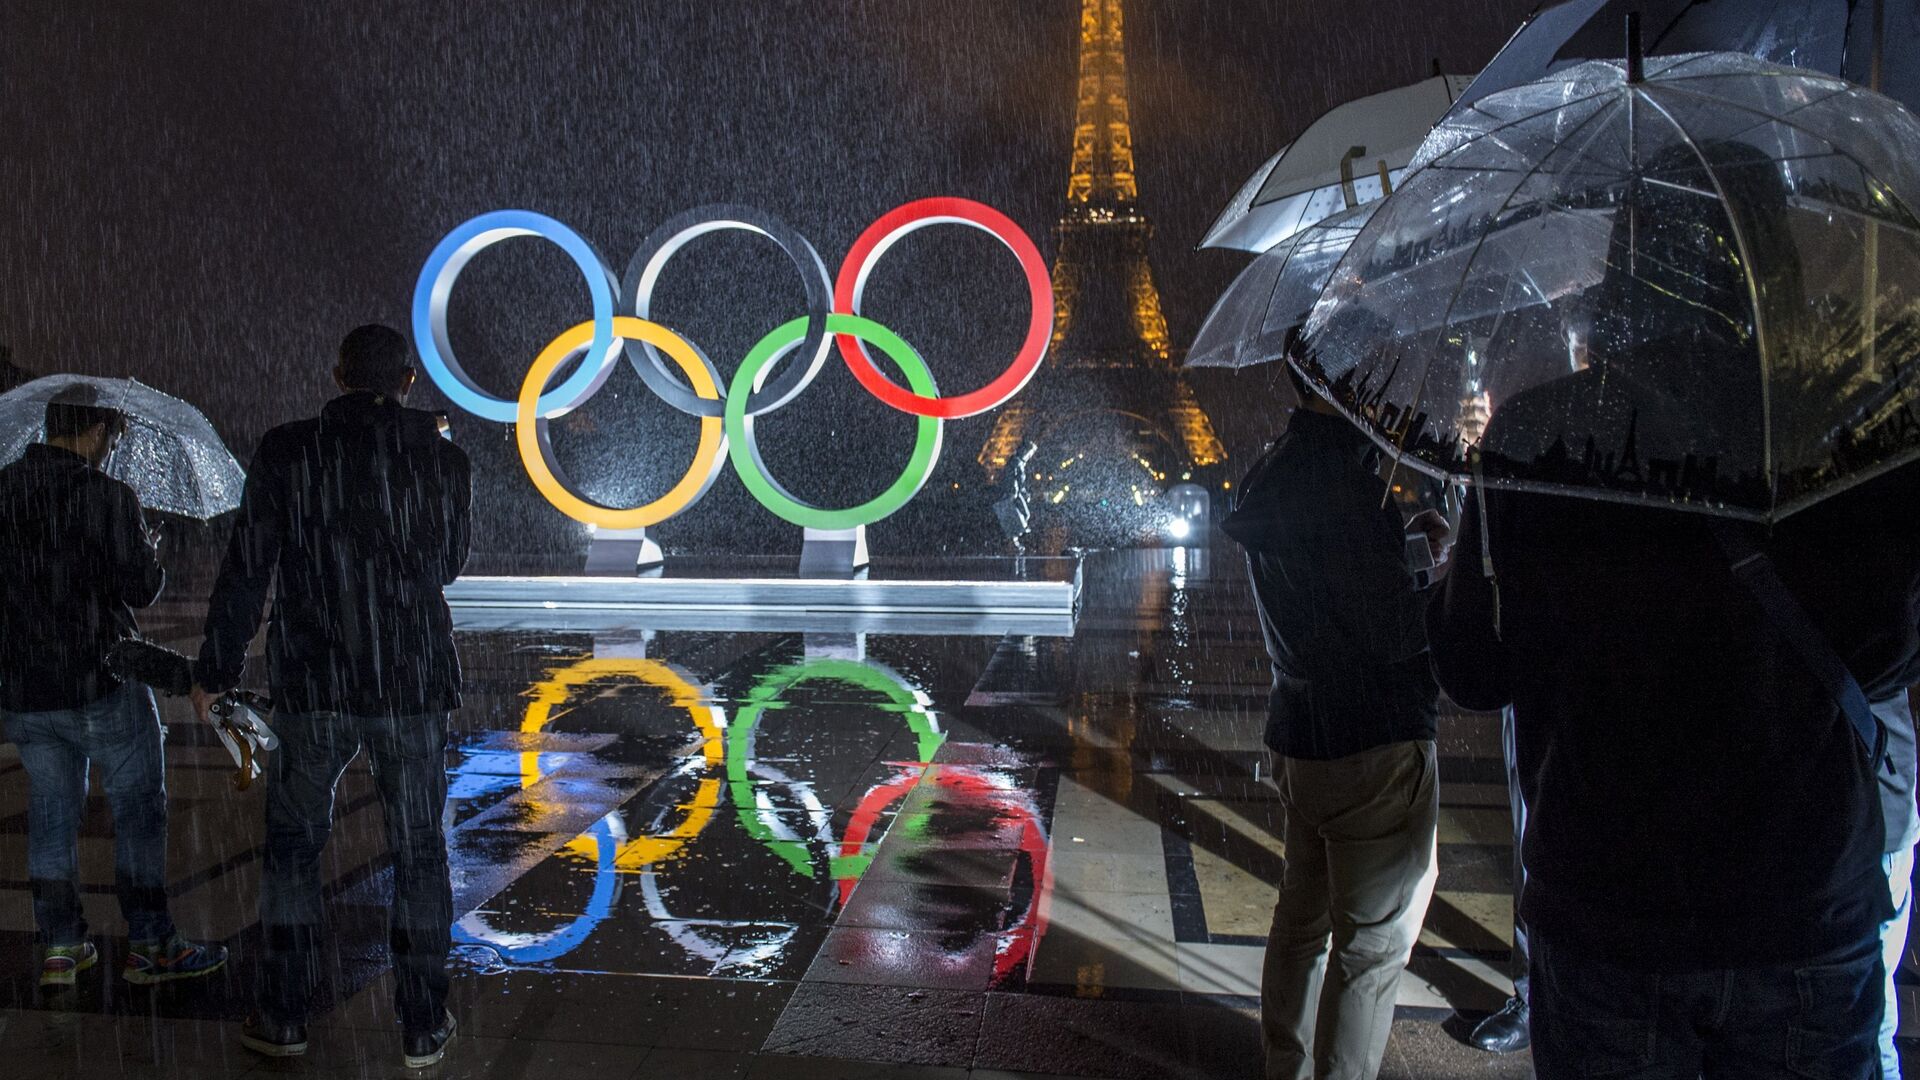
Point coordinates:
pixel 1594 1019
pixel 1518 963
pixel 408 755
pixel 1893 945
pixel 1360 870
pixel 122 734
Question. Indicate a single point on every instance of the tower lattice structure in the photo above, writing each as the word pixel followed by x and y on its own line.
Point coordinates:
pixel 1110 355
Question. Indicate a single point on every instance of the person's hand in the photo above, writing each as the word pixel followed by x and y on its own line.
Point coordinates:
pixel 1439 540
pixel 203 700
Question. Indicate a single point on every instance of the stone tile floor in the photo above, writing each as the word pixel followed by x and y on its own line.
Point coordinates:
pixel 692 854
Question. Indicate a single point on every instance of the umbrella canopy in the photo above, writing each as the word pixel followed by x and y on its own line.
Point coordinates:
pixel 1318 174
pixel 170 455
pixel 1255 320
pixel 1700 290
pixel 1838 37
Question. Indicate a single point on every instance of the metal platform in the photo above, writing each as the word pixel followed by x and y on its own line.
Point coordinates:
pixel 1030 595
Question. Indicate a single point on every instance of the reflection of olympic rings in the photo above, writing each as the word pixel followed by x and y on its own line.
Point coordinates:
pixel 607 844
pixel 684 694
pixel 758 819
pixel 751 393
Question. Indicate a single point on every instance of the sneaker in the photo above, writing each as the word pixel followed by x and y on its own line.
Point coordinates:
pixel 270 1039
pixel 63 962
pixel 174 958
pixel 421 1049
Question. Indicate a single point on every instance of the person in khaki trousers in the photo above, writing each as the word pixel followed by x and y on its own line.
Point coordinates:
pixel 1351 724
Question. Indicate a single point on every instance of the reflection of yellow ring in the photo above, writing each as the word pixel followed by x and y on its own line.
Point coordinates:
pixel 684 694
pixel 529 427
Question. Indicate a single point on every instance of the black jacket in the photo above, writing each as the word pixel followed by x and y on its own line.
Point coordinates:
pixel 1343 618
pixel 1695 798
pixel 75 559
pixel 364 514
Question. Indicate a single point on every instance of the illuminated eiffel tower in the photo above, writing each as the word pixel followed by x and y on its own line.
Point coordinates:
pixel 1114 418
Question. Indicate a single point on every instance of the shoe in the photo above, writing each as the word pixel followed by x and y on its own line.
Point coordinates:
pixel 421 1049
pixel 174 958
pixel 270 1039
pixel 1504 1031
pixel 63 962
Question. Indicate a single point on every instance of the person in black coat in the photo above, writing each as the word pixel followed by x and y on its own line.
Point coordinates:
pixel 1703 840
pixel 361 516
pixel 75 560
pixel 1351 724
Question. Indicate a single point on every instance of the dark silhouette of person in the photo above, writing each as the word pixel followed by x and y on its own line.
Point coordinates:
pixel 1703 838
pixel 358 518
pixel 75 560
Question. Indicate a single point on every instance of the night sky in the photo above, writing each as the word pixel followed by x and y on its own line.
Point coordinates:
pixel 206 196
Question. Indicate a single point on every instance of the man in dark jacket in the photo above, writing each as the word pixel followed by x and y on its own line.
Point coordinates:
pixel 75 559
pixel 1703 842
pixel 362 515
pixel 1351 720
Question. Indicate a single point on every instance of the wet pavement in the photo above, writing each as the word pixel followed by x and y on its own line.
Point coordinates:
pixel 723 854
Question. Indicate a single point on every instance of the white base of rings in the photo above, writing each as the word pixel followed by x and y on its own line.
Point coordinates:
pixel 833 552
pixel 621 553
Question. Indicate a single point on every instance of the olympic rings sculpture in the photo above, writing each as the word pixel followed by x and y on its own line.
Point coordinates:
pixel 621 316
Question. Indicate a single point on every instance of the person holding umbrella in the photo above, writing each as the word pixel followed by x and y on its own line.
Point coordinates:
pixel 1693 570
pixel 361 516
pixel 75 560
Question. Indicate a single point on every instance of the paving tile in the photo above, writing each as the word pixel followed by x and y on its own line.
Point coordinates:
pixel 879 1023
pixel 1077 1037
pixel 772 1067
pixel 935 865
pixel 1220 969
pixel 666 1063
pixel 907 905
pixel 42 1043
pixel 1077 868
pixel 908 958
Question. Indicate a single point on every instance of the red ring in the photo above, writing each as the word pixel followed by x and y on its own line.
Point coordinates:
pixel 905 219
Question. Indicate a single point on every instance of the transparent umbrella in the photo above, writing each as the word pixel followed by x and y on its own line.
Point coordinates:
pixel 1348 157
pixel 1700 288
pixel 170 455
pixel 1256 318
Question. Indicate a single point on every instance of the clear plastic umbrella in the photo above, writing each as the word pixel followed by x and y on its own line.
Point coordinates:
pixel 1869 42
pixel 1340 161
pixel 1699 289
pixel 1256 318
pixel 170 456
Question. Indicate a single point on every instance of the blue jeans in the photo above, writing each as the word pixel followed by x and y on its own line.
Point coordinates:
pixel 1893 945
pixel 408 755
pixel 1593 1019
pixel 121 733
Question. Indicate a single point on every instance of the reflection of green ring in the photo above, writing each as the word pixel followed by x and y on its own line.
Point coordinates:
pixel 746 453
pixel 767 692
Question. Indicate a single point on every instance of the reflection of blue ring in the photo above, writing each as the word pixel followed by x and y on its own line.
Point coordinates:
pixel 543 947
pixel 435 287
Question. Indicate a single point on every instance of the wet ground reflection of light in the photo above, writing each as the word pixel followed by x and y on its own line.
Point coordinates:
pixel 607 844
pixel 755 806
pixel 776 800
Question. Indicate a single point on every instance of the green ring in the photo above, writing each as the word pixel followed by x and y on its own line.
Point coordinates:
pixel 745 453
pixel 766 692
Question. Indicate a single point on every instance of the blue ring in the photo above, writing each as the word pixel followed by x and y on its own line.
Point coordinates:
pixel 435 286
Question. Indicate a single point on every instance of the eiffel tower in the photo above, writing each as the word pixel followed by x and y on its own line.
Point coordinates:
pixel 1113 416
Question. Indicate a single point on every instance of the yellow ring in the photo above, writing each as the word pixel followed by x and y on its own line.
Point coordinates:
pixel 706 459
pixel 559 686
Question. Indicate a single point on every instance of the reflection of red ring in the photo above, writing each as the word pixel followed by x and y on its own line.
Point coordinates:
pixel 874 243
pixel 1018 938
